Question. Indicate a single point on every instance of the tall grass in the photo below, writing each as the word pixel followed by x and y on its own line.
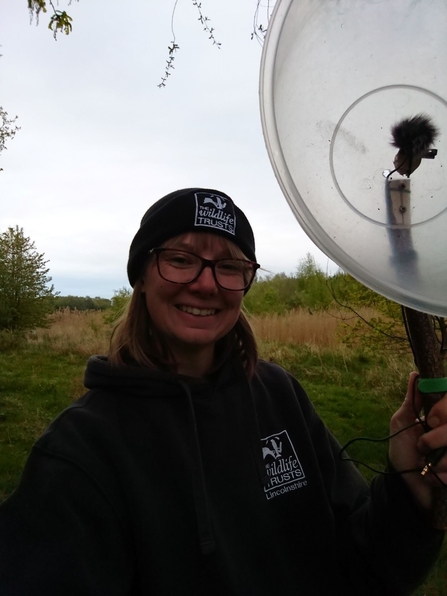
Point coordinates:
pixel 299 326
pixel 87 332
pixel 82 332
pixel 306 327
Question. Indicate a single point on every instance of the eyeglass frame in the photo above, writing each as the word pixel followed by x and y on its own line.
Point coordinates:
pixel 211 263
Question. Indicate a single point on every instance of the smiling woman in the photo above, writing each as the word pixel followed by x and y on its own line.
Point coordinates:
pixel 191 468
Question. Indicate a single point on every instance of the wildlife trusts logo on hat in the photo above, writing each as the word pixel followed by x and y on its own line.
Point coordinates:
pixel 214 211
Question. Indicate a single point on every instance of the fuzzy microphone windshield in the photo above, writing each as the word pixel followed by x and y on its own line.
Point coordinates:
pixel 413 137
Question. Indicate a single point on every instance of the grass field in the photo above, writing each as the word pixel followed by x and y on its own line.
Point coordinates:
pixel 354 392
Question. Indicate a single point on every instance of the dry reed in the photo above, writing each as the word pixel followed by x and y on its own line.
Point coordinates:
pixel 300 327
pixel 74 331
pixel 86 332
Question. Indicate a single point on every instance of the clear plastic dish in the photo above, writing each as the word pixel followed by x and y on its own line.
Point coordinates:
pixel 336 75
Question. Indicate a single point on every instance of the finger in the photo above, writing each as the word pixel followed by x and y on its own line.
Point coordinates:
pixel 407 418
pixel 412 403
pixel 433 439
pixel 438 413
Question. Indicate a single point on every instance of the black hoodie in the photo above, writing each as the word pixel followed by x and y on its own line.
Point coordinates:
pixel 158 485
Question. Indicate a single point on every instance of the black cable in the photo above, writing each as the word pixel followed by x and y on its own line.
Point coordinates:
pixel 407 331
pixel 382 440
pixel 431 460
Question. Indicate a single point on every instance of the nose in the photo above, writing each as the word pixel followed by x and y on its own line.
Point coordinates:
pixel 205 282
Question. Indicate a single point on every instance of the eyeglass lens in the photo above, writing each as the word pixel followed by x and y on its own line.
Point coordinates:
pixel 182 267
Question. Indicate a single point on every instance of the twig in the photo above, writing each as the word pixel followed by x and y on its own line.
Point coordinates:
pixel 171 51
pixel 259 30
pixel 204 21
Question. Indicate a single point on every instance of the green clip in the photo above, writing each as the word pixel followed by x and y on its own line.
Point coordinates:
pixel 433 385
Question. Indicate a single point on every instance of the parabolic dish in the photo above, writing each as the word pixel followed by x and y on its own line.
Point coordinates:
pixel 336 75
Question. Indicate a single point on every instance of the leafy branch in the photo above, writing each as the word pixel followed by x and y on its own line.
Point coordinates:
pixel 204 21
pixel 373 333
pixel 173 47
pixel 60 20
pixel 372 323
pixel 171 52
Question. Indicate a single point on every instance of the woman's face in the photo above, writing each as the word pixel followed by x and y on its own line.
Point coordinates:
pixel 192 317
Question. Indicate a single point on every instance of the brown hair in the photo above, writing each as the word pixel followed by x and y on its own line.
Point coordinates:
pixel 135 340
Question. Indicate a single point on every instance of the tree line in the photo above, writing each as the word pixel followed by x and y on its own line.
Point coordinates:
pixel 81 303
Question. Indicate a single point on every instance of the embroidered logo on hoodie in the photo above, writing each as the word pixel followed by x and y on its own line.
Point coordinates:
pixel 283 466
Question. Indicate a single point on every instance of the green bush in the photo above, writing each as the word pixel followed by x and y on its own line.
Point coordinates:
pixel 279 293
pixel 119 302
pixel 26 298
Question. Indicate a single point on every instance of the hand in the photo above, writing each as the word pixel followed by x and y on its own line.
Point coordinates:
pixel 409 449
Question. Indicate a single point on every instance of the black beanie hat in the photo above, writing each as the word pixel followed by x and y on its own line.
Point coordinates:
pixel 189 210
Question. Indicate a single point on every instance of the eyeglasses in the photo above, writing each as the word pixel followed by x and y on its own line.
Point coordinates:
pixel 182 267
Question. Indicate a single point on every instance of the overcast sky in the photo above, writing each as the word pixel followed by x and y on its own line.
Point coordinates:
pixel 100 142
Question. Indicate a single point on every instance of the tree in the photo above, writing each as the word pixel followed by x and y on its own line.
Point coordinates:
pixel 280 293
pixel 25 296
pixel 119 303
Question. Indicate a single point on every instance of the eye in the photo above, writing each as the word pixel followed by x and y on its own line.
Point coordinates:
pixel 233 266
pixel 179 259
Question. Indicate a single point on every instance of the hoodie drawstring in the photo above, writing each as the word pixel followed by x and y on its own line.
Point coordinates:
pixel 207 544
pixel 255 437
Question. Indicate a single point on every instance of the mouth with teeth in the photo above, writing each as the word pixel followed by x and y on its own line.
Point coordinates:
pixel 201 312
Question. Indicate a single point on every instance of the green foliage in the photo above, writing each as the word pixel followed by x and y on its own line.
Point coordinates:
pixel 280 293
pixel 60 20
pixel 374 333
pixel 119 301
pixel 81 303
pixel 25 297
pixel 35 7
pixel 349 290
pixel 313 284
